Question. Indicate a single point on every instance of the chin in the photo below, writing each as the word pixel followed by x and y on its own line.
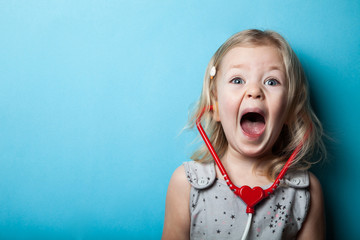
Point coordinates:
pixel 256 151
pixel 252 153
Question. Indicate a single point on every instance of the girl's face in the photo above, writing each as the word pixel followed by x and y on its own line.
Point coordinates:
pixel 251 94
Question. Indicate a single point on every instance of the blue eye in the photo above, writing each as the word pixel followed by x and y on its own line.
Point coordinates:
pixel 237 81
pixel 272 82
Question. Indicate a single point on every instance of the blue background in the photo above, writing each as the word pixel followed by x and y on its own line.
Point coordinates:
pixel 94 95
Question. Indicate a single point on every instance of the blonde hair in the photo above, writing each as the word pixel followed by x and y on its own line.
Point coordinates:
pixel 300 120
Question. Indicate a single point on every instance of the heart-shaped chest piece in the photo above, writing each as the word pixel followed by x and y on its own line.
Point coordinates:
pixel 251 196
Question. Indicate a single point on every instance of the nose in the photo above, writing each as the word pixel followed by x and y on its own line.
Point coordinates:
pixel 255 92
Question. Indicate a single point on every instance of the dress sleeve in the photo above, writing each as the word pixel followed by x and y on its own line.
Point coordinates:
pixel 200 175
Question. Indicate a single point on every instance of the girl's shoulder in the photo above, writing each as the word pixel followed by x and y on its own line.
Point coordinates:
pixel 177 218
pixel 314 226
pixel 178 178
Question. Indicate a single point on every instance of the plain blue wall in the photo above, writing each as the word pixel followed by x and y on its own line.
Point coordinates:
pixel 94 94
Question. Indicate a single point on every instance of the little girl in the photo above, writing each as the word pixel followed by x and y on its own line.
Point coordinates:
pixel 260 112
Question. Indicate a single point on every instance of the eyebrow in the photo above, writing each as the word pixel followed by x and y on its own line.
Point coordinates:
pixel 237 66
pixel 272 67
pixel 276 67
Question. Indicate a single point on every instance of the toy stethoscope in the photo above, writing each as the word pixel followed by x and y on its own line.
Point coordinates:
pixel 250 196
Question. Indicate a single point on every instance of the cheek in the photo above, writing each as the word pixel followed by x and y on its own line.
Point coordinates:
pixel 227 106
pixel 228 114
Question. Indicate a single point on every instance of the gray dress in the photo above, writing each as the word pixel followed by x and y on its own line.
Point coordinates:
pixel 217 213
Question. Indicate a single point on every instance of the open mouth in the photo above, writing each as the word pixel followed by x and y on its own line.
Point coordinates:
pixel 253 124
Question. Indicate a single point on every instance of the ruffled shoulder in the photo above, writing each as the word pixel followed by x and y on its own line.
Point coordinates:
pixel 296 179
pixel 200 175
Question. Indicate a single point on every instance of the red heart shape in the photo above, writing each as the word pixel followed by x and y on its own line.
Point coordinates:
pixel 251 196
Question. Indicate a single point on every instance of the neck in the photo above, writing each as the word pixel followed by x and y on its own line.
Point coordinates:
pixel 247 163
pixel 245 170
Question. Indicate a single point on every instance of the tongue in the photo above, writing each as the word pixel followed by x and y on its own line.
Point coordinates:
pixel 252 127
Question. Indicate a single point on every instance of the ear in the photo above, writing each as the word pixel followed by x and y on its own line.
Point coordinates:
pixel 216 114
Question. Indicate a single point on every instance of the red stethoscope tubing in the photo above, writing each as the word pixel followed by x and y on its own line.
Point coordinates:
pixel 251 196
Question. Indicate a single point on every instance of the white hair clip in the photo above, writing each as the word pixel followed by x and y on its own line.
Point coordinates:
pixel 212 72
